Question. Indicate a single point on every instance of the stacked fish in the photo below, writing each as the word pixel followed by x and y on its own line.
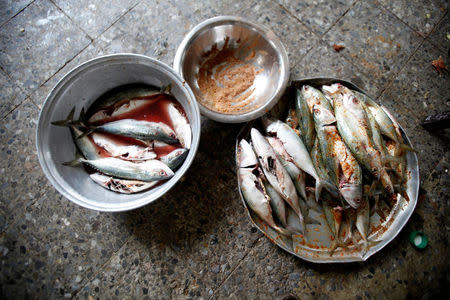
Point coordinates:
pixel 337 153
pixel 132 140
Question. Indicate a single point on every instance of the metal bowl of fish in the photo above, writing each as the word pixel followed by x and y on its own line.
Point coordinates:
pixel 118 132
pixel 237 69
pixel 328 174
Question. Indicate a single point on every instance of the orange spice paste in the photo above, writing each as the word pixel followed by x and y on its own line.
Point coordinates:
pixel 226 81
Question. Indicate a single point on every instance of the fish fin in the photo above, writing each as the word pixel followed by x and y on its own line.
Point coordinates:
pixel 166 89
pixel 68 121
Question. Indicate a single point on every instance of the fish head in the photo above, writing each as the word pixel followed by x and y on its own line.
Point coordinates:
pixel 311 95
pixel 245 155
pixel 354 104
pixel 323 116
pixel 352 194
pixel 160 168
pixel 332 89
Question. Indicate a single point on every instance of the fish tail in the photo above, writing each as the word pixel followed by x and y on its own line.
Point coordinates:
pixel 82 115
pixel 166 89
pixel 285 231
pixel 335 244
pixel 407 148
pixel 87 132
pixel 320 184
pixel 68 121
pixel 75 162
pixel 309 220
pixel 392 159
pixel 367 244
pixel 293 230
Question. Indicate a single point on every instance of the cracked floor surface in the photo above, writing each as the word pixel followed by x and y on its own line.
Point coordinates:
pixel 197 241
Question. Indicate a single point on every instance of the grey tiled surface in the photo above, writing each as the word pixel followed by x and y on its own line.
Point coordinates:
pixel 95 16
pixel 419 14
pixel 9 8
pixel 196 241
pixel 37 42
pixel 374 40
pixel 319 15
pixel 12 95
pixel 440 36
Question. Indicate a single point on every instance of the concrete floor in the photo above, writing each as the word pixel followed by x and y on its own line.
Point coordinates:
pixel 197 241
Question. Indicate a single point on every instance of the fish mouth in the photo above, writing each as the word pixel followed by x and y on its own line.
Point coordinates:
pixel 352 194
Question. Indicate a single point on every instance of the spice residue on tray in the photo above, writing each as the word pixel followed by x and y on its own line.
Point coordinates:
pixel 226 81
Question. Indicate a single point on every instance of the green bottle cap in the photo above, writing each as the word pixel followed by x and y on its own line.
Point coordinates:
pixel 418 239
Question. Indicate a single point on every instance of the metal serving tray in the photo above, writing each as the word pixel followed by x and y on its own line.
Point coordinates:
pixel 317 247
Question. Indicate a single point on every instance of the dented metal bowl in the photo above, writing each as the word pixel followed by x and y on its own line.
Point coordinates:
pixel 316 249
pixel 248 39
pixel 80 88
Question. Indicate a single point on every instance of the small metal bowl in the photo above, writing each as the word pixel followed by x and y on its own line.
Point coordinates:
pixel 80 88
pixel 270 57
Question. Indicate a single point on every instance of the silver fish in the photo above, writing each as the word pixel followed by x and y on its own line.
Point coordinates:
pixel 333 217
pixel 143 130
pixel 342 167
pixel 123 150
pixel 246 157
pixel 256 197
pixel 175 158
pixel 85 144
pixel 149 170
pixel 297 175
pixel 122 185
pixel 277 203
pixel 353 126
pixel 363 218
pixel 384 122
pixel 322 171
pixel 347 226
pixel 122 107
pixel 297 151
pixel 274 171
pixel 116 97
pixel 306 121
pixel 180 125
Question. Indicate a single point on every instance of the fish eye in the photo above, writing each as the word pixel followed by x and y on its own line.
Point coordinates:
pixel 162 173
pixel 316 111
pixel 355 100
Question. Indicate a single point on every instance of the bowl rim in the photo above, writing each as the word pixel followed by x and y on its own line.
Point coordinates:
pixel 79 69
pixel 267 34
